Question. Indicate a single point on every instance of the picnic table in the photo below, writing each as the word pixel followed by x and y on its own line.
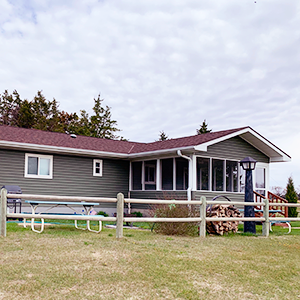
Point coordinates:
pixel 88 210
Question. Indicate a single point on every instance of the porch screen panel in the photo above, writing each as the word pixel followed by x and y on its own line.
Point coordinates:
pixel 137 175
pixel 242 178
pixel 231 176
pixel 150 175
pixel 182 174
pixel 217 174
pixel 167 173
pixel 260 181
pixel 202 173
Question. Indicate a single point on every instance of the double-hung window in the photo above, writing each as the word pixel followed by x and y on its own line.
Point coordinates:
pixel 97 169
pixel 38 166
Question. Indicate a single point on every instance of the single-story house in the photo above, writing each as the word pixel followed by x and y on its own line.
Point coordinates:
pixel 42 162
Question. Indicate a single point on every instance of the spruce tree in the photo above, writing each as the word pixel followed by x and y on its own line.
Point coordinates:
pixel 162 136
pixel 102 125
pixel 203 128
pixel 292 197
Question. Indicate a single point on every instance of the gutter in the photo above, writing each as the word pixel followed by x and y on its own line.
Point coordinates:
pixel 59 150
pixel 189 190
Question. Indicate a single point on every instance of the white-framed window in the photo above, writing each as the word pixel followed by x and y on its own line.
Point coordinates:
pixel 38 166
pixel 97 167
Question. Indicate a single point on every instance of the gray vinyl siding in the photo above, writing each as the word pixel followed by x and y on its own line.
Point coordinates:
pixel 210 195
pixel 182 195
pixel 72 176
pixel 236 149
pixel 168 195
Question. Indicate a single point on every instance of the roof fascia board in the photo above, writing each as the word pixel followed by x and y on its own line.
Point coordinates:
pixel 60 150
pixel 157 152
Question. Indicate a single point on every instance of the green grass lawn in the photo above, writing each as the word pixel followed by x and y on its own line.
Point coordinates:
pixel 65 263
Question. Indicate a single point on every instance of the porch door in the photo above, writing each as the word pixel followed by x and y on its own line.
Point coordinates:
pixel 260 178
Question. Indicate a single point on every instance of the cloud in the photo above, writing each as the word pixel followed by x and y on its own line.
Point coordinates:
pixel 160 65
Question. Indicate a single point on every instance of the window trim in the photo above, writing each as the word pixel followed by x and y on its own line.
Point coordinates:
pixel 39 156
pixel 94 167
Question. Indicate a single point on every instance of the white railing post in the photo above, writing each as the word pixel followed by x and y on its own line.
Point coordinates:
pixel 202 231
pixel 266 223
pixel 3 212
pixel 120 215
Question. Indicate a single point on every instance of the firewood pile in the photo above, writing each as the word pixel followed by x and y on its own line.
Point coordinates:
pixel 222 227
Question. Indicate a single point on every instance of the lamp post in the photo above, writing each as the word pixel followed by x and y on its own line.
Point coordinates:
pixel 248 164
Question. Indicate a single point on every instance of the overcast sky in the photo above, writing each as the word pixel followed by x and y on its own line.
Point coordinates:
pixel 163 64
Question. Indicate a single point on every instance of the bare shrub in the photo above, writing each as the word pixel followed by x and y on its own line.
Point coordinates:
pixel 176 211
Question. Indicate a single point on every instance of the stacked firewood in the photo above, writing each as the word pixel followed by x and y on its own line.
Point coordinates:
pixel 222 227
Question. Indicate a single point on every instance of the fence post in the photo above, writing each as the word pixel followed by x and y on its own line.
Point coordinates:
pixel 120 215
pixel 3 212
pixel 266 224
pixel 202 231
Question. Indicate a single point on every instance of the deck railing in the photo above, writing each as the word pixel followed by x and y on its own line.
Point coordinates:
pixel 274 202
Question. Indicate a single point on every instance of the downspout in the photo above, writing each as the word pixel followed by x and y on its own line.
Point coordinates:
pixel 189 190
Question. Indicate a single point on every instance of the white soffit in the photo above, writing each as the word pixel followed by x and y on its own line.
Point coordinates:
pixel 256 140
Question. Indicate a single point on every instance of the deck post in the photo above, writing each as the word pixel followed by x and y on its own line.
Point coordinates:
pixel 3 212
pixel 266 223
pixel 120 215
pixel 202 231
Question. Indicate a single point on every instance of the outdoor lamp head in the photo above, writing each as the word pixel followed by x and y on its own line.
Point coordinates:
pixel 248 163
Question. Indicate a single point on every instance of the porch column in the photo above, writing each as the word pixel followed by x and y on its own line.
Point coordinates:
pixel 210 185
pixel 158 175
pixel 130 176
pixel 194 173
pixel 143 176
pixel 174 174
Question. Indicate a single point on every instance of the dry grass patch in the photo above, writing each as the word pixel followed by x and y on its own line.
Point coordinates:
pixel 64 263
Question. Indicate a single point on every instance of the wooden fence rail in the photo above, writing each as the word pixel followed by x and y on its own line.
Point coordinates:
pixel 119 219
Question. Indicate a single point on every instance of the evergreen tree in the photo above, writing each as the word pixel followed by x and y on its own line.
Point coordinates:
pixel 203 128
pixel 83 125
pixel 292 197
pixel 9 108
pixel 68 122
pixel 102 125
pixel 25 117
pixel 162 136
pixel 45 115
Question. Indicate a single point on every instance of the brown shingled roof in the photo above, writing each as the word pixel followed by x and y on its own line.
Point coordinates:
pixel 193 140
pixel 46 138
pixel 39 137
